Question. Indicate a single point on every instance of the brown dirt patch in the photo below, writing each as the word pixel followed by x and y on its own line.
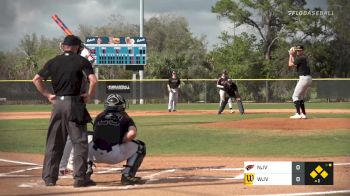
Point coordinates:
pixel 170 175
pixel 46 115
pixel 285 124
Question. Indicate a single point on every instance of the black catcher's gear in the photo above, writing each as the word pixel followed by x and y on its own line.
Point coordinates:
pixel 134 162
pixel 115 102
pixel 230 88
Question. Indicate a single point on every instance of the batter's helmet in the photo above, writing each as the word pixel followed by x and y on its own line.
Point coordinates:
pixel 115 102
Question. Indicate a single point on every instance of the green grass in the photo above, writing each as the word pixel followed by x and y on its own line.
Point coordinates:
pixel 209 106
pixel 181 135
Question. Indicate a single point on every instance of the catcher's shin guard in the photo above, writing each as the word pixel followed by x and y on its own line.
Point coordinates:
pixel 240 106
pixel 134 162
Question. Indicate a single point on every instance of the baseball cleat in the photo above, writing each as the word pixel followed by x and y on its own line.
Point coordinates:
pixel 47 183
pixel 303 116
pixel 232 111
pixel 169 110
pixel 84 183
pixel 128 180
pixel 295 116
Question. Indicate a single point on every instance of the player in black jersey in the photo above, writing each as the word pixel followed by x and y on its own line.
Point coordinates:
pixel 298 60
pixel 173 88
pixel 113 140
pixel 220 84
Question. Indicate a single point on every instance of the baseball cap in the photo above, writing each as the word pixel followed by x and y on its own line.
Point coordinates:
pixel 299 47
pixel 225 71
pixel 71 40
pixel 174 72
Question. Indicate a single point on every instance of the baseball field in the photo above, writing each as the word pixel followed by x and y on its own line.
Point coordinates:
pixel 192 151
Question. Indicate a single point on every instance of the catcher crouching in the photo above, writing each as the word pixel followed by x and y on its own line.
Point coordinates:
pixel 114 141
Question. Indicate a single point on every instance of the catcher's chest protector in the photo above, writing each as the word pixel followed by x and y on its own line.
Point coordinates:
pixel 108 130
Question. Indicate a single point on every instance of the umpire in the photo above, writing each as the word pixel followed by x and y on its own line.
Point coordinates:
pixel 69 115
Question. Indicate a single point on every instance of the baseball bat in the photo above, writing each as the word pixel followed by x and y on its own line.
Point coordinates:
pixel 69 32
pixel 62 25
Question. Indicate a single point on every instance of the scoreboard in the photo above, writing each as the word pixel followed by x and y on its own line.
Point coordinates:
pixel 288 173
pixel 118 50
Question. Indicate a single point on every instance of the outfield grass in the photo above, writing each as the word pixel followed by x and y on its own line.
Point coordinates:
pixel 180 135
pixel 209 106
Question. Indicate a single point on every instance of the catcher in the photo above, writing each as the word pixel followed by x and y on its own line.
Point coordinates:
pixel 114 141
pixel 231 92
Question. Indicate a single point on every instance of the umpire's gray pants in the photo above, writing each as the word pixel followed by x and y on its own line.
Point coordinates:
pixel 301 88
pixel 59 128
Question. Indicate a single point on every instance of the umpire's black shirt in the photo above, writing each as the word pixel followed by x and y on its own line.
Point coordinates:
pixel 66 71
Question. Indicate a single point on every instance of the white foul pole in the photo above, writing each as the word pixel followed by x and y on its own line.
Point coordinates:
pixel 141 35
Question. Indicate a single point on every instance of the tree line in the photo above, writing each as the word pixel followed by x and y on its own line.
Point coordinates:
pixel 260 52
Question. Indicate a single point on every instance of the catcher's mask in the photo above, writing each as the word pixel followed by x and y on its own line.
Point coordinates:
pixel 115 102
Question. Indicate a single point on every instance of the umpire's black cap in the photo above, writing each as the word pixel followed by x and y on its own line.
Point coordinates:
pixel 299 47
pixel 71 40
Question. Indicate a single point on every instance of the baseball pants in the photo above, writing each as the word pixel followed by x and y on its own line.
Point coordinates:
pixel 119 153
pixel 60 126
pixel 301 88
pixel 223 97
pixel 68 153
pixel 67 157
pixel 173 98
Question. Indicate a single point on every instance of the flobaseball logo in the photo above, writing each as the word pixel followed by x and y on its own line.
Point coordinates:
pixel 249 167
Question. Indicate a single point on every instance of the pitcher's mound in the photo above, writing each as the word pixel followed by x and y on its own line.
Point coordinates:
pixel 285 124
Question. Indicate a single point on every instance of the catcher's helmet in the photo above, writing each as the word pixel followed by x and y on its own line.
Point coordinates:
pixel 115 102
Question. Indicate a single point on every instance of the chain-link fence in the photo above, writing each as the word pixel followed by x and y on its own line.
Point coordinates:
pixel 191 90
